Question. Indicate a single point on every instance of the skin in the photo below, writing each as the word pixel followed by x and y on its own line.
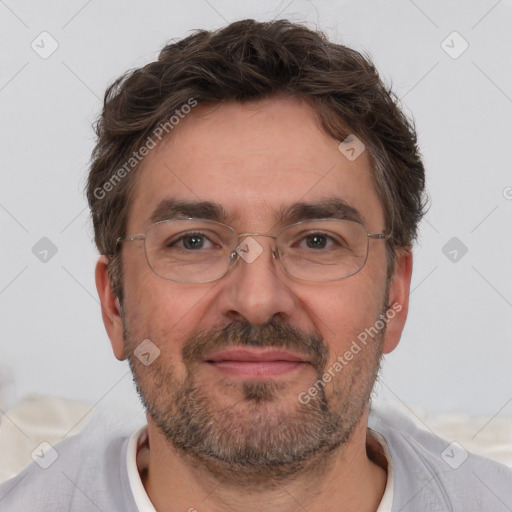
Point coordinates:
pixel 253 159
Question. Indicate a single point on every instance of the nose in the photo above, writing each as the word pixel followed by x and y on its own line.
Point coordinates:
pixel 256 288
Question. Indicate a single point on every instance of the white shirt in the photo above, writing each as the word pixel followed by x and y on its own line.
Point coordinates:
pixel 139 437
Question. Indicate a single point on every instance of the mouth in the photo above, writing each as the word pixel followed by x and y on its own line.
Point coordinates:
pixel 256 362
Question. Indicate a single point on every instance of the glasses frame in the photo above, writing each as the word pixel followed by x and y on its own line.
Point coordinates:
pixel 234 256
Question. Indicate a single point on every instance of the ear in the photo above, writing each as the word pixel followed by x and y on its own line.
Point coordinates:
pixel 399 290
pixel 110 309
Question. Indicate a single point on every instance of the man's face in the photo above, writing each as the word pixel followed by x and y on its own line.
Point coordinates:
pixel 253 160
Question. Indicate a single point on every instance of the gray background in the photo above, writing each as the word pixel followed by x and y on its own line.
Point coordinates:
pixel 456 351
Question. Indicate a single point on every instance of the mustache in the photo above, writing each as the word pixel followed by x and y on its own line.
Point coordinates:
pixel 271 334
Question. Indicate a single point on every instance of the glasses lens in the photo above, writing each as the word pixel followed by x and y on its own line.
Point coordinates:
pixel 189 251
pixel 323 250
pixel 199 251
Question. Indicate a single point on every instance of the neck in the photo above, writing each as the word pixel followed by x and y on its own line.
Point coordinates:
pixel 345 480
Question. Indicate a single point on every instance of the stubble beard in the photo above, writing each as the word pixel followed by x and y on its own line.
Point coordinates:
pixel 257 441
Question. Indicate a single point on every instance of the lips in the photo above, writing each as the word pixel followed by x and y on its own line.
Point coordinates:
pixel 256 362
pixel 265 354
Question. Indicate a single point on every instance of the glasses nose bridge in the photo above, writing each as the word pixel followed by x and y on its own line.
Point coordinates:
pixel 274 251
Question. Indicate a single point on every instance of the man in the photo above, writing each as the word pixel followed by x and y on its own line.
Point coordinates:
pixel 255 194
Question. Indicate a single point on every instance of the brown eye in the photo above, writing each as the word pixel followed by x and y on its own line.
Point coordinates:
pixel 316 241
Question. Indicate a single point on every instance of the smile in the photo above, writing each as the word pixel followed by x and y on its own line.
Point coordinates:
pixel 255 362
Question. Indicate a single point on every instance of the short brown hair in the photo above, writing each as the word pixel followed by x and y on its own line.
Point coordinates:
pixel 246 61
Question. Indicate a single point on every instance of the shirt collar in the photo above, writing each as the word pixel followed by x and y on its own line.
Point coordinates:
pixel 139 438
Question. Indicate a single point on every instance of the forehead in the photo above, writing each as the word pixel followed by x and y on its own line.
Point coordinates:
pixel 256 164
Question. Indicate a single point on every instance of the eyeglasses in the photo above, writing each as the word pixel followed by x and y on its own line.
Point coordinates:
pixel 200 251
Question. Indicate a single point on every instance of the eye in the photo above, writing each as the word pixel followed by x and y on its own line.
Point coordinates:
pixel 319 240
pixel 191 241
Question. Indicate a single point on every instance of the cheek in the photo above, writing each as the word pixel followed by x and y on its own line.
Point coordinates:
pixel 343 312
pixel 150 317
pixel 346 318
pixel 162 311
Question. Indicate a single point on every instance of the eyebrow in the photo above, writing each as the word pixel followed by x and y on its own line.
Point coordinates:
pixel 332 207
pixel 171 208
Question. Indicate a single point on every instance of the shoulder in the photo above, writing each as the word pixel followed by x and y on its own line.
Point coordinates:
pixel 83 472
pixel 432 473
